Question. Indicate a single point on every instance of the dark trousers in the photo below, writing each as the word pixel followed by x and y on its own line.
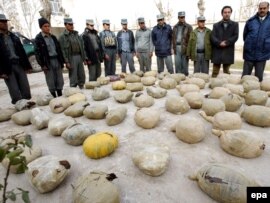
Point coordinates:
pixel 18 85
pixel 54 76
pixel 127 57
pixel 76 73
pixel 216 67
pixel 110 65
pixel 94 71
pixel 259 68
pixel 201 65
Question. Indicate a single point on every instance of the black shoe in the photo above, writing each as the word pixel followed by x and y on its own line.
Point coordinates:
pixel 53 94
pixel 81 86
pixel 59 93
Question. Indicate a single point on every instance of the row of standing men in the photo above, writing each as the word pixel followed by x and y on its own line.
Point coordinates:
pixel 200 45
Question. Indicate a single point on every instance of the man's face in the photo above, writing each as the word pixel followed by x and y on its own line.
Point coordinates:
pixel 46 28
pixel 124 26
pixel 263 9
pixel 142 25
pixel 201 23
pixel 161 21
pixel 3 25
pixel 181 19
pixel 69 27
pixel 106 26
pixel 226 14
pixel 90 26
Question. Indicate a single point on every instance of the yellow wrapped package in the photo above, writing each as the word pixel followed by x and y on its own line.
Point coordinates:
pixel 119 85
pixel 100 145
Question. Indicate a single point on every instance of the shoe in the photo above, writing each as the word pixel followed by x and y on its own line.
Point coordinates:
pixel 81 86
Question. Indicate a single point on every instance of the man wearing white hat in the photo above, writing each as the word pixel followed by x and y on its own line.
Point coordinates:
pixel 126 50
pixel 109 45
pixel 14 63
pixel 144 46
pixel 199 47
pixel 181 33
pixel 93 50
pixel 74 54
pixel 162 40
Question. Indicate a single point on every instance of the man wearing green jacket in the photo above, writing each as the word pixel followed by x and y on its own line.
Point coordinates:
pixel 73 51
pixel 199 47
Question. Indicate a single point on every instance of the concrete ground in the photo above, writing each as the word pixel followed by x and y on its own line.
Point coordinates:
pixel 173 186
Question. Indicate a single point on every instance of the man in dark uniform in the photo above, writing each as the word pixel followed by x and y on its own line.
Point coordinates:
pixel 14 63
pixel 50 58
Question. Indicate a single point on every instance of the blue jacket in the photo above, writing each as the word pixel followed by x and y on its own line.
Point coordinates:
pixel 257 39
pixel 131 41
pixel 162 40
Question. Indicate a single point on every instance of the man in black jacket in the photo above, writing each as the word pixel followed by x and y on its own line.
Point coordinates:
pixel 50 58
pixel 126 49
pixel 14 63
pixel 93 50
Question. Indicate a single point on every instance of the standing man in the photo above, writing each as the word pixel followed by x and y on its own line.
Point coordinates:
pixel 162 40
pixel 126 50
pixel 223 38
pixel 144 46
pixel 73 51
pixel 109 45
pixel 93 50
pixel 49 57
pixel 257 41
pixel 181 34
pixel 199 47
pixel 14 63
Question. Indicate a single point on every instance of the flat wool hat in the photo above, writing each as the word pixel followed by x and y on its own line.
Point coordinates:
pixel 42 21
pixel 106 21
pixel 90 22
pixel 201 18
pixel 68 20
pixel 160 16
pixel 3 18
pixel 124 21
pixel 181 13
pixel 141 20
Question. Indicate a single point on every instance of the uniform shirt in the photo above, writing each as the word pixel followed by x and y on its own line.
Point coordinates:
pixel 179 34
pixel 200 39
pixel 143 41
pixel 10 47
pixel 75 46
pixel 125 41
pixel 50 44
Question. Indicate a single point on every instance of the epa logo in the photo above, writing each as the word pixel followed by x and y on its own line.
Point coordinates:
pixel 258 196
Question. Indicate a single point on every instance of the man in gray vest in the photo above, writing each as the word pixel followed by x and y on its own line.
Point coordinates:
pixel 109 45
pixel 49 57
pixel 14 63
pixel 181 33
pixel 144 46
pixel 93 50
pixel 73 51
pixel 126 51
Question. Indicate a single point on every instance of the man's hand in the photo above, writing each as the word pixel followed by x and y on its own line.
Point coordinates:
pixel 4 76
pixel 45 69
pixel 107 57
pixel 68 66
pixel 223 44
pixel 28 71
pixel 151 54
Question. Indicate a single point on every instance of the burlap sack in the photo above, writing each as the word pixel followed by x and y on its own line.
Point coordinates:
pixel 241 143
pixel 39 118
pixel 100 94
pixel 148 81
pixel 119 85
pixel 140 100
pixel 78 97
pixel 150 73
pixel 184 88
pixel 251 85
pixel 231 184
pixel 194 99
pixel 168 83
pixel 147 118
pixel 92 84
pixel 95 112
pixel 257 115
pixel 204 76
pixel 213 106
pixel 47 172
pixel 265 84
pixel 217 82
pixel 134 87
pixel 234 79
pixel 116 116
pixel 218 92
pixel 249 78
pixel 22 117
pixel 58 124
pixel 76 133
pixel 256 97
pixel 131 78
pixel 189 129
pixel 163 75
pixel 232 102
pixel 43 100
pixel 178 77
pixel 76 110
pixel 224 120
pixel 177 105
pixel 24 104
pixel 5 114
pixel 123 96
pixel 95 186
pixel 70 91
pixel 151 159
pixel 156 92
pixel 139 73
pixel 196 81
pixel 103 80
pixel 59 104
pixel 235 89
